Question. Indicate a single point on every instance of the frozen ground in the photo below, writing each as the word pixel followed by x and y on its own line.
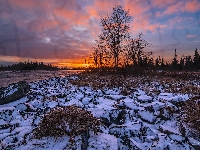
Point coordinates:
pixel 141 119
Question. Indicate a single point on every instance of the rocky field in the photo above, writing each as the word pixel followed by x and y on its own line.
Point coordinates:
pixel 135 112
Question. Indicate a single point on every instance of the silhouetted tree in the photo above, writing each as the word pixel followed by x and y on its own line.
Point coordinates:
pixel 136 50
pixel 181 63
pixel 188 62
pixel 175 61
pixel 115 31
pixel 162 63
pixel 115 44
pixel 157 63
pixel 150 62
pixel 101 57
pixel 196 60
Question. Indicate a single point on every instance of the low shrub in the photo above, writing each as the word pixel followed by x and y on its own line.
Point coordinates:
pixel 67 120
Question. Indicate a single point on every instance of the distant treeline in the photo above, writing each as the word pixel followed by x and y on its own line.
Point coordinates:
pixel 145 63
pixel 29 66
pixel 185 63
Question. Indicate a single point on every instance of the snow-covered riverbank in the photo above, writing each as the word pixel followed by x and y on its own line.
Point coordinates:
pixel 140 119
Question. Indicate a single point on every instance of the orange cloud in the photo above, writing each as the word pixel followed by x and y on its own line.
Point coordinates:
pixel 41 25
pixel 136 8
pixel 82 19
pixel 163 3
pixel 192 6
pixel 65 13
pixel 143 23
pixel 181 6
pixel 174 8
pixel 105 5
pixel 24 3
pixel 72 14
pixel 93 12
pixel 102 7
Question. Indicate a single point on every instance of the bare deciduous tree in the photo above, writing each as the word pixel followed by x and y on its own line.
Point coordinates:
pixel 136 50
pixel 115 31
pixel 101 57
pixel 115 44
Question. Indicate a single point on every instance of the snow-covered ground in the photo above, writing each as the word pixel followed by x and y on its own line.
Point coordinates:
pixel 138 120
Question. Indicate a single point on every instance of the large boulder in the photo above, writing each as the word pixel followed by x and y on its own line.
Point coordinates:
pixel 21 89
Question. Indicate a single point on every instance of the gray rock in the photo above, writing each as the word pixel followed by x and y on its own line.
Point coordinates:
pixel 23 89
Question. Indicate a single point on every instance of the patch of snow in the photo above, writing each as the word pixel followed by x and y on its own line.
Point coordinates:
pixel 169 129
pixel 86 100
pixel 147 116
pixel 144 98
pixel 12 91
pixel 102 141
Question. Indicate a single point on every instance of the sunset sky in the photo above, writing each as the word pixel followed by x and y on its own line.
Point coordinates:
pixel 61 32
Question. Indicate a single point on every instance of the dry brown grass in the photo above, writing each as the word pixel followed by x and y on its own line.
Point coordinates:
pixel 97 81
pixel 68 120
pixel 169 81
pixel 190 89
pixel 50 98
pixel 191 115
